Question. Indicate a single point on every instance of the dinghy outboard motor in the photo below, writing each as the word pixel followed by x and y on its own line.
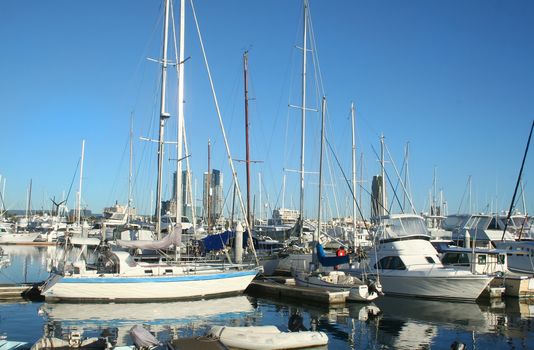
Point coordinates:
pixel 142 338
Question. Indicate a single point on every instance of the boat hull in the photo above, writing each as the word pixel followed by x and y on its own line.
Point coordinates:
pixel 145 288
pixel 467 288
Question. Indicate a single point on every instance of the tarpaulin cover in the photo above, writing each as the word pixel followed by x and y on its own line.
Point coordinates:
pixel 330 260
pixel 219 241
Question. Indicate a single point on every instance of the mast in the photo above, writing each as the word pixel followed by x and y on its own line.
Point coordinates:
pixel 361 179
pixel 129 206
pixel 383 175
pixel 303 113
pixel 163 116
pixel 4 195
pixel 353 169
pixel 318 234
pixel 208 186
pixel 29 203
pixel 180 117
pixel 283 191
pixel 245 73
pixel 260 202
pixel 406 174
pixel 78 218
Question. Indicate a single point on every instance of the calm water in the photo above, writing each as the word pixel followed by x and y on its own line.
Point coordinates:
pixel 389 323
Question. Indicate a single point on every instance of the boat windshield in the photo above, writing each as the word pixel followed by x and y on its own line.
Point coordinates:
pixel 404 226
pixel 478 222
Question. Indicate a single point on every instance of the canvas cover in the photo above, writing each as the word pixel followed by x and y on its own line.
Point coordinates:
pixel 172 239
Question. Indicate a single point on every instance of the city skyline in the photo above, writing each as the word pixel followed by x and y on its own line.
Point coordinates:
pixel 454 80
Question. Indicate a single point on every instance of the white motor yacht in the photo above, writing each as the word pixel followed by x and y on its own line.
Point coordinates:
pixel 408 264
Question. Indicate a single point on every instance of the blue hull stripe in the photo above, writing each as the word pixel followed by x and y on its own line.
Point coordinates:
pixel 157 279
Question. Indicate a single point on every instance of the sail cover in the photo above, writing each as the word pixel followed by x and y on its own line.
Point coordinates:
pixel 330 260
pixel 173 238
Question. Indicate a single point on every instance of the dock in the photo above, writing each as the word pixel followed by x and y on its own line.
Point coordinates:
pixel 19 291
pixel 517 286
pixel 284 287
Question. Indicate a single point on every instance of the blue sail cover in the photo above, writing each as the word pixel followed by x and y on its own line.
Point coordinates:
pixel 330 260
pixel 219 241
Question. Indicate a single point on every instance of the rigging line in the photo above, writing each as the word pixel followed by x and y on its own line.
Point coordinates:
pixel 390 183
pixel 518 181
pixel 229 155
pixel 73 178
pixel 463 195
pixel 332 180
pixel 400 181
pixel 315 56
pixel 348 184
pixel 398 176
pixel 117 172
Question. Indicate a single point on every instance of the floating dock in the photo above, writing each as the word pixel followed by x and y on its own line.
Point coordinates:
pixel 283 287
pixel 517 286
pixel 19 291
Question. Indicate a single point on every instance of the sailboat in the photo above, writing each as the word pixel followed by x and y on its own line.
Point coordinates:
pixel 120 273
pixel 335 280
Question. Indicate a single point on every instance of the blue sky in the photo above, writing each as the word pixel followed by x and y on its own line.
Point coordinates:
pixel 454 79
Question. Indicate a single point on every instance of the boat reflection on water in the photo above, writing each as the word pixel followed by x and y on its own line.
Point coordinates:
pixel 167 320
pixel 415 323
pixel 27 264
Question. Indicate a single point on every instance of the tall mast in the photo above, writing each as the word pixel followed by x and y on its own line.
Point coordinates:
pixel 303 111
pixel 4 195
pixel 318 234
pixel 208 186
pixel 353 170
pixel 383 175
pixel 163 116
pixel 260 202
pixel 28 205
pixel 284 191
pixel 245 73
pixel 180 117
pixel 129 207
pixel 78 218
pixel 361 179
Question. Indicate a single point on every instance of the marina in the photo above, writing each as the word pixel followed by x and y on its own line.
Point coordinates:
pixel 387 322
pixel 214 227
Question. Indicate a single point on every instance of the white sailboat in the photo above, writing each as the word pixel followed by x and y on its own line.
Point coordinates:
pixel 121 276
pixel 357 289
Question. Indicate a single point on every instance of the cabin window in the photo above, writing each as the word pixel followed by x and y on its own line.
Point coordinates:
pixel 429 259
pixel 459 259
pixel 391 263
pixel 482 259
pixel 501 259
pixel 148 271
pixel 168 271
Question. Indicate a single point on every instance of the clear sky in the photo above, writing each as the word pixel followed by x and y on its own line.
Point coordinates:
pixel 455 79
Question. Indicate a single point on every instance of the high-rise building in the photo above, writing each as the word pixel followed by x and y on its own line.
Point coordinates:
pixel 377 197
pixel 187 206
pixel 169 207
pixel 213 195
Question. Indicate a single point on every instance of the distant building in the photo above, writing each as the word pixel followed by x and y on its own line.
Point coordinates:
pixel 283 216
pixel 377 207
pixel 169 207
pixel 213 195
